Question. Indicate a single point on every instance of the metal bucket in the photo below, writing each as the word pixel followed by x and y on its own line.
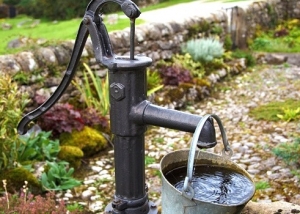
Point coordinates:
pixel 185 202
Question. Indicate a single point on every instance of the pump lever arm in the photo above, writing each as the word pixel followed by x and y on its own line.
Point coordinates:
pixel 91 24
pixel 77 51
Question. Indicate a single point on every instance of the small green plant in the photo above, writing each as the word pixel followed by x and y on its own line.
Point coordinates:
pixel 271 110
pixel 228 42
pixel 95 92
pixel 289 152
pixel 58 177
pixel 186 60
pixel 38 147
pixel 289 114
pixel 75 207
pixel 261 185
pixel 154 82
pixel 12 104
pixel 260 43
pixel 149 160
pixel 204 50
pixel 250 59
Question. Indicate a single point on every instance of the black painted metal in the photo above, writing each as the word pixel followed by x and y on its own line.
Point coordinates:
pixel 130 112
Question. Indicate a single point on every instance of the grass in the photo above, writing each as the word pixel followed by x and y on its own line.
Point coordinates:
pixel 53 32
pixel 272 110
pixel 56 31
pixel 261 185
pixel 285 38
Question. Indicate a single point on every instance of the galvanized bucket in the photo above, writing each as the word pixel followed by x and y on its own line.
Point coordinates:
pixel 184 202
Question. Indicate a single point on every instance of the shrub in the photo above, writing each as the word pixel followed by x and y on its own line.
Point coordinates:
pixel 289 152
pixel 12 103
pixel 59 177
pixel 38 147
pixel 65 118
pixel 174 74
pixel 271 110
pixel 26 202
pixel 204 50
pixel 95 91
pixel 250 59
pixel 154 81
pixel 260 43
pixel 289 114
pixel 186 61
pixel 228 43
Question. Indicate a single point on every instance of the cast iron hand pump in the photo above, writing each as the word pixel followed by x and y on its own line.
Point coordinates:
pixel 130 112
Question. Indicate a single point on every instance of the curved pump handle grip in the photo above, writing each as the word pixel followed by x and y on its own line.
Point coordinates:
pixel 101 45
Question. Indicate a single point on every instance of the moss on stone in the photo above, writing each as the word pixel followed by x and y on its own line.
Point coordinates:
pixel 89 140
pixel 202 82
pixel 15 179
pixel 176 94
pixel 71 154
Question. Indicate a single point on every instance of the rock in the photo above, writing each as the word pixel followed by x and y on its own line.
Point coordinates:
pixel 268 208
pixel 8 63
pixel 6 26
pixel 27 61
pixel 275 59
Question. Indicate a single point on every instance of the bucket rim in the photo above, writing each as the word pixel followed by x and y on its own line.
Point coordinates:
pixel 240 170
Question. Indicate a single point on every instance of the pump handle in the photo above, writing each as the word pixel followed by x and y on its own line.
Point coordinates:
pixel 91 24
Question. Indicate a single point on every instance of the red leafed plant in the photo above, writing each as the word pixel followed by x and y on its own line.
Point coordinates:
pixel 174 75
pixel 63 117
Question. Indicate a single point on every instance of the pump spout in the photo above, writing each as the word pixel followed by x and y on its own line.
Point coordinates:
pixel 147 113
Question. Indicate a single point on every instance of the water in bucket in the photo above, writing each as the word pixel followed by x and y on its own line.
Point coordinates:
pixel 214 184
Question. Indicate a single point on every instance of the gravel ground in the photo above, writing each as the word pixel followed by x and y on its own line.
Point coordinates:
pixel 250 139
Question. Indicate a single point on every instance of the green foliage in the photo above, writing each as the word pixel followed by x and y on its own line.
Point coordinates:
pixel 228 42
pixel 289 152
pixel 54 10
pixel 95 91
pixel 250 59
pixel 154 82
pixel 261 185
pixel 260 43
pixel 47 30
pixel 284 38
pixel 58 177
pixel 75 207
pixel 204 50
pixel 216 30
pixel 186 60
pixel 149 160
pixel 22 78
pixel 12 104
pixel 38 147
pixel 271 110
pixel 289 114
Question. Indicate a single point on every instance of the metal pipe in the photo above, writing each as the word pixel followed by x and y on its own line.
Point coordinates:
pixel 147 113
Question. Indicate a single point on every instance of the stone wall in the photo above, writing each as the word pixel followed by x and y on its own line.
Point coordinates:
pixel 157 41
